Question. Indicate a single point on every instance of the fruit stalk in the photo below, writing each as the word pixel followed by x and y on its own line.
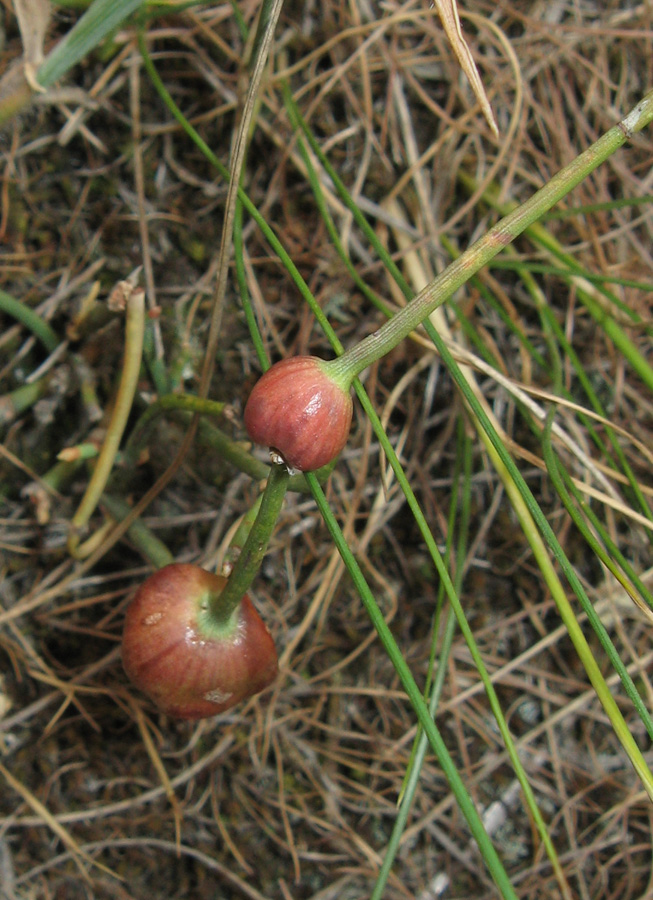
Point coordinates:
pixel 193 640
pixel 301 407
pixel 457 273
pixel 223 605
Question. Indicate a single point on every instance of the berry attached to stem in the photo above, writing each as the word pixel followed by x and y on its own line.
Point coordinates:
pixel 173 649
pixel 302 410
pixel 301 406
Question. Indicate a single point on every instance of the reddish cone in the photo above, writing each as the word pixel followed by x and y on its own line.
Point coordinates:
pixel 189 666
pixel 297 409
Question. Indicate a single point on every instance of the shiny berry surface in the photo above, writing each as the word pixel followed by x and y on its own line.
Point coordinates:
pixel 175 653
pixel 297 409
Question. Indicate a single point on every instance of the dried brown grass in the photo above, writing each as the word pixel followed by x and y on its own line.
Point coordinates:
pixel 294 794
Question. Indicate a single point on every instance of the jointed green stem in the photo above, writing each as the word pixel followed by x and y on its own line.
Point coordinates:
pixel 24 314
pixel 21 399
pixel 134 330
pixel 253 551
pixel 153 549
pixel 353 361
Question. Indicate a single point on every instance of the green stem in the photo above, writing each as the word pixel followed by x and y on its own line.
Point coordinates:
pixel 27 317
pixel 433 691
pixel 251 556
pixel 241 534
pixel 22 399
pixel 134 330
pixel 378 344
pixel 186 402
pixel 234 452
pixel 153 549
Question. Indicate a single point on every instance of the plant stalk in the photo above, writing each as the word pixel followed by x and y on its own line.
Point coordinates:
pixel 457 273
pixel 134 331
pixel 249 562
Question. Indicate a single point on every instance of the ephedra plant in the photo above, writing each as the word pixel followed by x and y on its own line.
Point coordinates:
pixel 301 408
pixel 196 639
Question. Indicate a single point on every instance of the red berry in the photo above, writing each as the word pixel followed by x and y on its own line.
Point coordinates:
pixel 297 409
pixel 187 664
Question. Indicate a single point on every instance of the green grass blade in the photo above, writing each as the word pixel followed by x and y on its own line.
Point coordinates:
pixel 91 29
pixel 432 692
pixel 417 701
pixel 504 457
pixel 623 571
pixel 531 515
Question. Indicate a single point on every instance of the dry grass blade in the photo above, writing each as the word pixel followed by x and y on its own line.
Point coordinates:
pixel 33 20
pixel 448 12
pixel 157 762
pixel 51 822
pixel 305 780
